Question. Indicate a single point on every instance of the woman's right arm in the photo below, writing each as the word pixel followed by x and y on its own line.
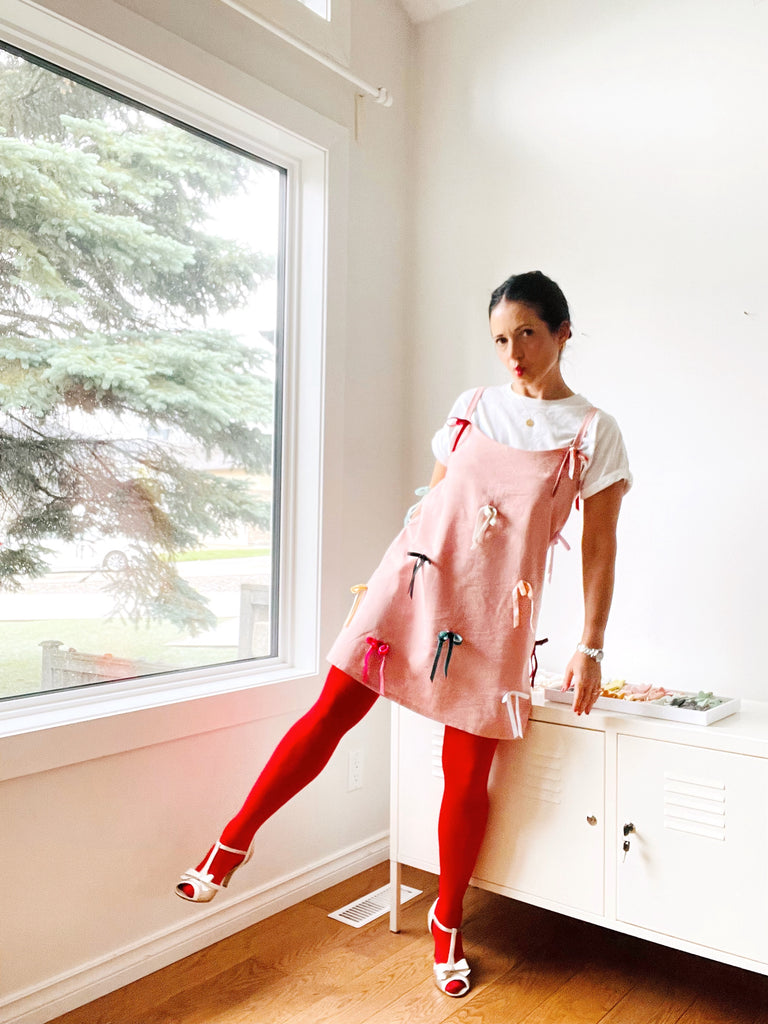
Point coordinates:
pixel 437 475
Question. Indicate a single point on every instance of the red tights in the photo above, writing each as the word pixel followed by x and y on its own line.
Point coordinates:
pixel 307 747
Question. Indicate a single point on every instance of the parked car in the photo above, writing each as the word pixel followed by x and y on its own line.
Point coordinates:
pixel 101 553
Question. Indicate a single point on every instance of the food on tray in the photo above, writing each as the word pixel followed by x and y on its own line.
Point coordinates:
pixel 701 701
pixel 622 690
pixel 652 701
pixel 646 693
pixel 619 689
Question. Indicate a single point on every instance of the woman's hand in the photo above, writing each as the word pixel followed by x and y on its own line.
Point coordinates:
pixel 584 675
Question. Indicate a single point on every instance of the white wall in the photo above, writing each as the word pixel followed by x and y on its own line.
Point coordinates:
pixel 621 147
pixel 99 819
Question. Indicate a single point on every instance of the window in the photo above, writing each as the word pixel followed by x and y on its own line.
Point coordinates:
pixel 142 268
pixel 323 24
pixel 318 6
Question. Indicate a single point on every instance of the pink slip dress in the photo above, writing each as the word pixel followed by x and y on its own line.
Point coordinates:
pixel 446 625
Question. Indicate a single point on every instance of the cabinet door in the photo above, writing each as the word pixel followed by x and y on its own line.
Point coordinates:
pixel 417 789
pixel 546 833
pixel 696 865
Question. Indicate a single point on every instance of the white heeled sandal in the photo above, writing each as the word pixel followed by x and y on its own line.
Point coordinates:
pixel 452 970
pixel 201 881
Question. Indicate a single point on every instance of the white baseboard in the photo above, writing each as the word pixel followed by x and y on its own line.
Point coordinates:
pixel 92 980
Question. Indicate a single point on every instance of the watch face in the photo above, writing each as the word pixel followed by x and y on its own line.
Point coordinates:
pixel 599 656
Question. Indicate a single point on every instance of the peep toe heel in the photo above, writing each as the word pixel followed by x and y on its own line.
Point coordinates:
pixel 200 880
pixel 453 970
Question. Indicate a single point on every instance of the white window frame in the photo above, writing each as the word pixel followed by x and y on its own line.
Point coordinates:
pixel 314 151
pixel 331 36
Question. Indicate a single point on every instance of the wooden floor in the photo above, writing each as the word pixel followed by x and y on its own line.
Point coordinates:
pixel 529 965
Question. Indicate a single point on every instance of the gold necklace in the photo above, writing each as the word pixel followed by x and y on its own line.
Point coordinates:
pixel 529 422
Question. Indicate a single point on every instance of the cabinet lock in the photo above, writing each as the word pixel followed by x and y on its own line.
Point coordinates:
pixel 629 828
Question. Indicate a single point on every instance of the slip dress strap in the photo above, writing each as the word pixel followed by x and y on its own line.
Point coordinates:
pixel 473 402
pixel 585 424
pixel 574 458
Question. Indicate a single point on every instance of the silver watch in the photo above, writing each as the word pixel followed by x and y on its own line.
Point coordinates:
pixel 591 652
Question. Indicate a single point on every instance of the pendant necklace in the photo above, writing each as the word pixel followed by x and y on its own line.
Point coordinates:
pixel 529 421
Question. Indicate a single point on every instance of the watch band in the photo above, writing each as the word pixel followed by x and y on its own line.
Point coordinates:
pixel 591 652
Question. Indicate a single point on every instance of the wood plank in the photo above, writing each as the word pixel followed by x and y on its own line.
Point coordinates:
pixel 375 990
pixel 584 999
pixel 528 965
pixel 514 994
pixel 652 1003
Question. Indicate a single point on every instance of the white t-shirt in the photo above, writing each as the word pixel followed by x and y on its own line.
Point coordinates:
pixel 504 415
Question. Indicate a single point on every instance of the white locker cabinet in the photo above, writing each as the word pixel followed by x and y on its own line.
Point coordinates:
pixel 696 865
pixel 691 803
pixel 417 788
pixel 545 834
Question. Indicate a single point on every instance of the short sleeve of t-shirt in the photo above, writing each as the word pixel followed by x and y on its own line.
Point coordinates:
pixel 539 425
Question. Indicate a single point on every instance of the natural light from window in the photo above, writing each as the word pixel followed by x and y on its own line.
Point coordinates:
pixel 321 7
pixel 141 334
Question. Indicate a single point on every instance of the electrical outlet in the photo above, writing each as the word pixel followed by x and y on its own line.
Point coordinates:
pixel 355 775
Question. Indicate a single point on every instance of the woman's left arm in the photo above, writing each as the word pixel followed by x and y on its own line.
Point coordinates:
pixel 598 559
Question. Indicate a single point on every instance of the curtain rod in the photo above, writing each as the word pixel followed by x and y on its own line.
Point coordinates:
pixel 380 94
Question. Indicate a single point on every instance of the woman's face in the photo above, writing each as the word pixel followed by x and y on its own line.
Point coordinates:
pixel 528 349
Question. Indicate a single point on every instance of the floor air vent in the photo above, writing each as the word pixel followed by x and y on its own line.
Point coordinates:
pixel 369 907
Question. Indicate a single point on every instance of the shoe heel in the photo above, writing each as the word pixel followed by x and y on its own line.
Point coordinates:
pixel 243 862
pixel 201 882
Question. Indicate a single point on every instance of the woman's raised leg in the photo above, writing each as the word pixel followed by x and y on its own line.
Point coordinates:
pixel 299 757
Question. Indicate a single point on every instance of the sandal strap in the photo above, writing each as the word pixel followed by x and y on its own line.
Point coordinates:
pixel 453 932
pixel 229 849
pixel 216 848
pixel 448 931
pixel 198 881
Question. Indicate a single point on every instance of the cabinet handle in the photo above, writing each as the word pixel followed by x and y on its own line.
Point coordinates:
pixel 591 819
pixel 629 827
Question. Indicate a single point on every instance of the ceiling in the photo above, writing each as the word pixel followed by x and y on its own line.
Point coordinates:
pixel 423 10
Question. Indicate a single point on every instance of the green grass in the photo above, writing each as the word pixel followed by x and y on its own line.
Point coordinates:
pixel 21 655
pixel 209 554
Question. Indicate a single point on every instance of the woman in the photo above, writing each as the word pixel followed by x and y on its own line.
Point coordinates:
pixel 446 624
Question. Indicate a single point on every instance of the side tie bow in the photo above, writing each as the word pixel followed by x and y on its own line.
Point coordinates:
pixel 382 649
pixel 418 564
pixel 522 589
pixel 453 640
pixel 358 590
pixel 557 539
pixel 575 460
pixel 534 662
pixel 512 699
pixel 419 492
pixel 457 421
pixel 486 516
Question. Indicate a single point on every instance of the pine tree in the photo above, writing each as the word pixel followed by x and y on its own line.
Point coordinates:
pixel 109 275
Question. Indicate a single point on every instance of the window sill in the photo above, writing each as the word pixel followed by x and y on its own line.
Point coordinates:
pixel 50 731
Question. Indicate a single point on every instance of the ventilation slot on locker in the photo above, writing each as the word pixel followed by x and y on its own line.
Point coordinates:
pixel 696 806
pixel 543 776
pixel 437 752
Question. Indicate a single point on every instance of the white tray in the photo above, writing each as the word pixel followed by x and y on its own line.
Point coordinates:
pixel 649 709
